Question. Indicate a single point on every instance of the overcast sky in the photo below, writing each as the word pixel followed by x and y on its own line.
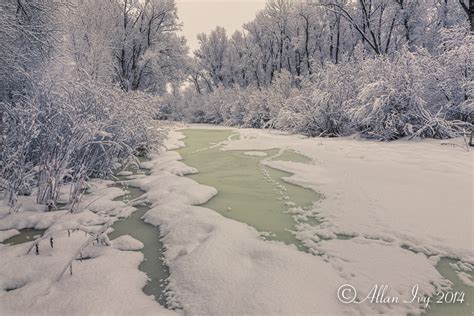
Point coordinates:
pixel 202 16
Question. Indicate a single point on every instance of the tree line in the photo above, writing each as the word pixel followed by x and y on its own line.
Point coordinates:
pixel 385 69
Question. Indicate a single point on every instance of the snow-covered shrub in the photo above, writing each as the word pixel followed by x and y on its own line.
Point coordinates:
pixel 238 104
pixel 456 81
pixel 319 107
pixel 16 167
pixel 405 96
pixel 70 130
pixel 257 114
pixel 216 107
pixel 312 113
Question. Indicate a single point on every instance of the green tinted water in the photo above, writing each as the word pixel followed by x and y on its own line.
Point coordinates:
pixel 153 264
pixel 442 305
pixel 25 235
pixel 248 191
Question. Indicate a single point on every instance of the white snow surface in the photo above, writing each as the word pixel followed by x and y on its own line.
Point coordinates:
pixel 108 284
pixel 466 278
pixel 5 234
pixel 364 263
pixel 174 140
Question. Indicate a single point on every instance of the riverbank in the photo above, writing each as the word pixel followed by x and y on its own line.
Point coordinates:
pixel 105 277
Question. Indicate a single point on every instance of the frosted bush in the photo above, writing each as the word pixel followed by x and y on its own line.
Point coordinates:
pixel 312 114
pixel 407 98
pixel 69 131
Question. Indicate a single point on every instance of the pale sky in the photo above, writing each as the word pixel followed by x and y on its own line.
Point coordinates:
pixel 202 16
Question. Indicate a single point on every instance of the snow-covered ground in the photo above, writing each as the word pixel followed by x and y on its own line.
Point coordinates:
pixel 415 194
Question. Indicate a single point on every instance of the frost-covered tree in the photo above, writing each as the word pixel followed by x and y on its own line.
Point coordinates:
pixel 212 56
pixel 66 115
pixel 147 50
pixel 28 29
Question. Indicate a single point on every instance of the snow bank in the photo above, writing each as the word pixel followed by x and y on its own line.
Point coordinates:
pixel 174 140
pixel 127 242
pixel 98 202
pixel 108 284
pixel 106 281
pixel 170 161
pixel 102 199
pixel 364 263
pixel 5 234
pixel 26 219
pixel 26 203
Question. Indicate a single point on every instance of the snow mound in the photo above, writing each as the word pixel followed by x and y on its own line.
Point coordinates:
pixel 107 284
pixel 28 219
pixel 169 161
pixel 127 242
pixel 174 140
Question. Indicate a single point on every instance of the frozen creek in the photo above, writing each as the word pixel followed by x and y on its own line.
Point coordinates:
pixel 249 192
pixel 257 195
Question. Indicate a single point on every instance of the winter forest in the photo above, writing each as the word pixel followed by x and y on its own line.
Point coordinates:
pixel 323 144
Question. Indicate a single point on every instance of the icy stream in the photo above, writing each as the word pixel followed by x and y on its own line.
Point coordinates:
pixel 252 193
pixel 249 192
pixel 152 264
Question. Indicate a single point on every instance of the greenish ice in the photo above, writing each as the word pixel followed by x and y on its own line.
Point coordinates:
pixel 248 191
pixel 449 302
